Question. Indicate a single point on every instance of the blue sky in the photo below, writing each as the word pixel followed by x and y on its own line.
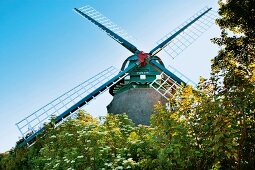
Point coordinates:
pixel 46 49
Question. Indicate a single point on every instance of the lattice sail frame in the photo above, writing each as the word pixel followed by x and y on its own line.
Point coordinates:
pixel 91 12
pixel 191 34
pixel 166 86
pixel 36 120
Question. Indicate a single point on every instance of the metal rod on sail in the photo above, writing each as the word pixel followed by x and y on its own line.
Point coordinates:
pixel 167 41
pixel 30 138
pixel 169 73
pixel 113 35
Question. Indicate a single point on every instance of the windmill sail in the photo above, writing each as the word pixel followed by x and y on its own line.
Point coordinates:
pixel 114 31
pixel 180 38
pixel 161 68
pixel 70 102
pixel 181 76
pixel 170 80
pixel 166 86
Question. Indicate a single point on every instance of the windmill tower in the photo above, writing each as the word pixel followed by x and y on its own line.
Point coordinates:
pixel 142 81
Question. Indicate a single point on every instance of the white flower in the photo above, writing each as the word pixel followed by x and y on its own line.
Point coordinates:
pixel 130 159
pixel 119 167
pixel 56 165
pixel 108 164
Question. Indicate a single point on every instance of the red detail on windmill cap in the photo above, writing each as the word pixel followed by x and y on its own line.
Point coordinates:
pixel 141 57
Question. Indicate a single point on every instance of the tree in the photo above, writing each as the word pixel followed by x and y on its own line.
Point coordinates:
pixel 234 67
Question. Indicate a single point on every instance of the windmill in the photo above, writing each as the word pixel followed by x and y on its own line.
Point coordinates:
pixel 142 75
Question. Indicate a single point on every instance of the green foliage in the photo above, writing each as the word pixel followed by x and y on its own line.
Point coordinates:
pixel 211 127
pixel 237 16
pixel 85 143
pixel 234 67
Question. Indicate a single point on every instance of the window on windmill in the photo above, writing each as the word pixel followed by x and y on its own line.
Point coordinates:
pixel 142 77
pixel 127 78
pixel 158 77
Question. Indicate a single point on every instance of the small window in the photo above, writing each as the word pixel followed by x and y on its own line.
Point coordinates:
pixel 142 77
pixel 127 78
pixel 158 77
